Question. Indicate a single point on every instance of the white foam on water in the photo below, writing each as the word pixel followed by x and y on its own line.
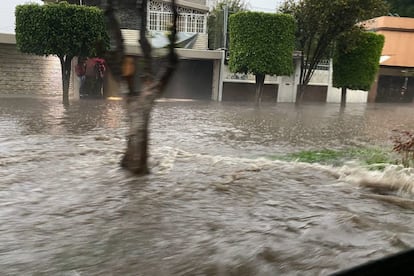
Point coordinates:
pixel 393 178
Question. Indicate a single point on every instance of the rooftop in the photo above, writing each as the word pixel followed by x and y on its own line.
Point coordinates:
pixel 390 23
pixel 399 38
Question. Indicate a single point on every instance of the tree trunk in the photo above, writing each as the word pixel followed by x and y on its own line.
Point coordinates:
pixel 299 94
pixel 300 88
pixel 139 109
pixel 259 87
pixel 66 67
pixel 139 103
pixel 343 97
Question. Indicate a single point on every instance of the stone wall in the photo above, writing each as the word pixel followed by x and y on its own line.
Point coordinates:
pixel 28 75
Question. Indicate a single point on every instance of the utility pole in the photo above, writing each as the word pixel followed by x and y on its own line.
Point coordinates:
pixel 225 20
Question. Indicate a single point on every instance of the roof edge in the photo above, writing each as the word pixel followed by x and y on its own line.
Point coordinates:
pixel 188 4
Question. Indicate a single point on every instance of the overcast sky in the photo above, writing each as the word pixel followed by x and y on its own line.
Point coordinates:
pixel 7 10
pixel 264 5
pixel 7 13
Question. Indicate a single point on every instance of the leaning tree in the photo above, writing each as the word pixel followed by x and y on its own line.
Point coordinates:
pixel 356 60
pixel 261 44
pixel 61 29
pixel 320 23
pixel 139 100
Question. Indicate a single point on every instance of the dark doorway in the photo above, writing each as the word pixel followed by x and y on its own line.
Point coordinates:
pixel 192 80
pixel 395 89
pixel 236 91
pixel 315 93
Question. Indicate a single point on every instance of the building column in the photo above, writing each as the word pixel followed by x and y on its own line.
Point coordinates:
pixel 218 77
pixel 296 79
pixel 216 80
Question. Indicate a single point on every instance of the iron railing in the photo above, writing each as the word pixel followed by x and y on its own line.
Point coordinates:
pixel 187 22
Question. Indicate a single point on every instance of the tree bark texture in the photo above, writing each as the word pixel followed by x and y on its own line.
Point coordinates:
pixel 139 103
pixel 259 87
pixel 343 96
pixel 66 67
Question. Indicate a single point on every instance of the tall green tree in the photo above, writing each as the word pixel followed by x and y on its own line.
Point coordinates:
pixel 402 7
pixel 320 23
pixel 216 21
pixel 356 60
pixel 63 30
pixel 261 44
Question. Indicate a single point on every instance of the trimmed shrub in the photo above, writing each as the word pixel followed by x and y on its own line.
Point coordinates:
pixel 356 59
pixel 261 43
pixel 63 30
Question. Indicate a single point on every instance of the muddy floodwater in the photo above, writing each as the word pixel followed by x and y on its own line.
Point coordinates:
pixel 216 203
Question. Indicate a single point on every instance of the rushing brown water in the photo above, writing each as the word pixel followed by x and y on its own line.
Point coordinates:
pixel 214 203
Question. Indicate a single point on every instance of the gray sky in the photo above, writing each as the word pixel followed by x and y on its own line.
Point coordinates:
pixel 7 13
pixel 264 5
pixel 7 10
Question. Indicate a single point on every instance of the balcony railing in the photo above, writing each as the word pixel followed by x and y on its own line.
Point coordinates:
pixel 187 22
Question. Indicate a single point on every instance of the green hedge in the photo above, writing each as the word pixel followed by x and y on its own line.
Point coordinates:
pixel 261 43
pixel 59 29
pixel 356 60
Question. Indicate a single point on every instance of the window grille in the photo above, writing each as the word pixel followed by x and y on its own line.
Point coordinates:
pixel 186 22
pixel 322 65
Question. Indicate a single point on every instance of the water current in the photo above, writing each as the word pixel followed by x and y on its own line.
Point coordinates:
pixel 215 203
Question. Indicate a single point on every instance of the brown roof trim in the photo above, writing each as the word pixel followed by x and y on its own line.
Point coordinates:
pixel 398 67
pixel 391 29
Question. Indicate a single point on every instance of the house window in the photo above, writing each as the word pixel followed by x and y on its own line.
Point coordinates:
pixel 189 20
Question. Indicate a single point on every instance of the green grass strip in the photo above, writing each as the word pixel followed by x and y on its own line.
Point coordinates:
pixel 364 156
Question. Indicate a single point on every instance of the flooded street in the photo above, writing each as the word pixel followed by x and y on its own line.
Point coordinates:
pixel 216 203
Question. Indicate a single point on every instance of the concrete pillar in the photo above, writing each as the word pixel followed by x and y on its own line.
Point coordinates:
pixel 216 80
pixel 221 80
pixel 286 88
pixel 296 79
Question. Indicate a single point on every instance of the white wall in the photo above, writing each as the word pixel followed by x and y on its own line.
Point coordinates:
pixel 288 84
pixel 352 96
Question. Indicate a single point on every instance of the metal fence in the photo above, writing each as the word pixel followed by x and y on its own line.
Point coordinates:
pixel 322 65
